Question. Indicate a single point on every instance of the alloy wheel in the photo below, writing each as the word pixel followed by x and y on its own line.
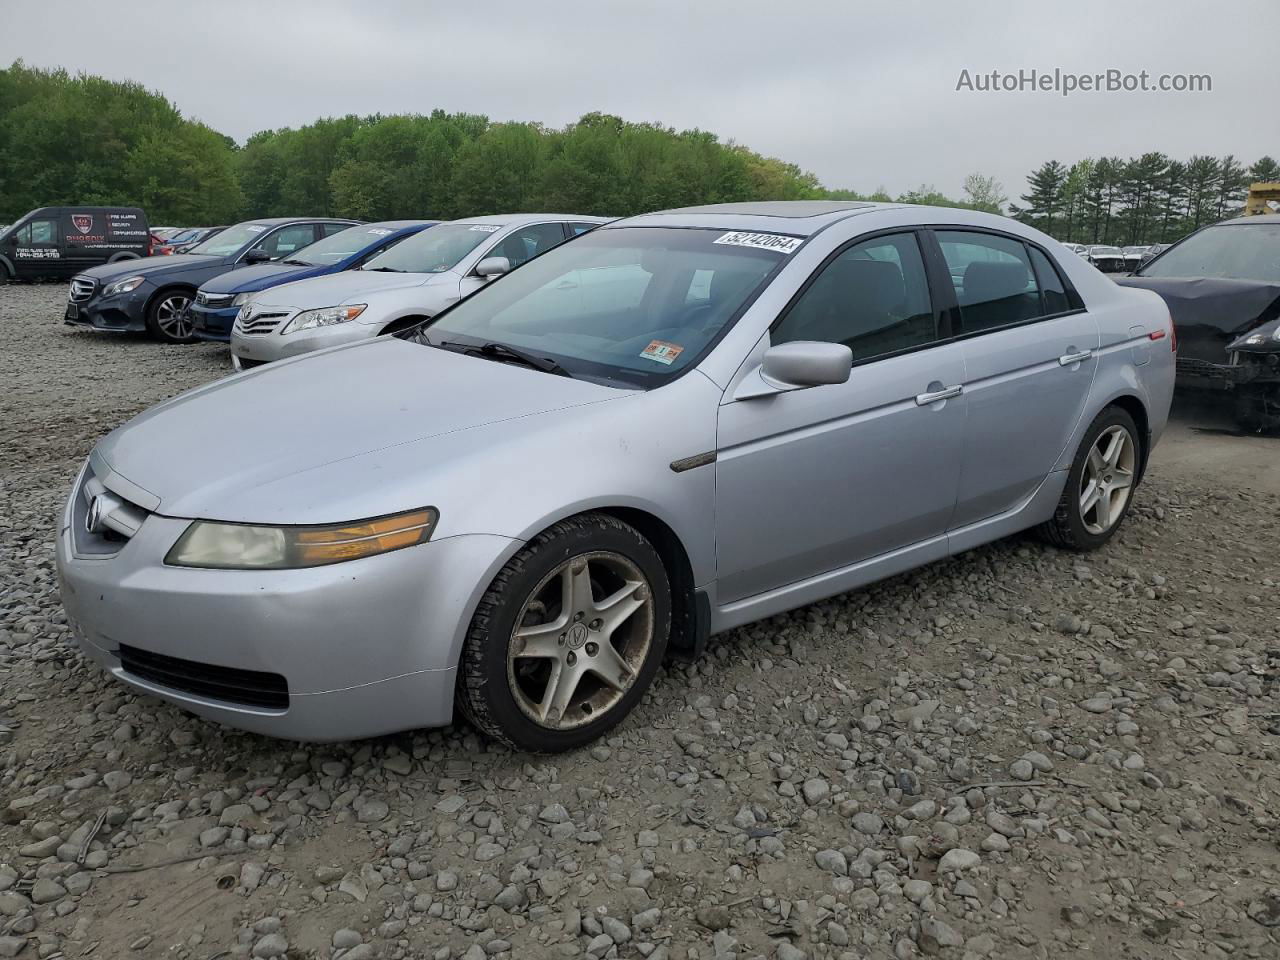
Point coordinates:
pixel 580 640
pixel 173 316
pixel 1107 480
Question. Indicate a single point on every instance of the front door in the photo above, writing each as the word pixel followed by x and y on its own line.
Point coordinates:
pixel 518 246
pixel 814 480
pixel 38 249
pixel 1030 357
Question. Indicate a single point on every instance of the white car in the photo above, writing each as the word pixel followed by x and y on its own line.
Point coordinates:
pixel 412 281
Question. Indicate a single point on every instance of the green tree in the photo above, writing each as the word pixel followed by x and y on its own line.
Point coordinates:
pixel 1044 197
pixel 984 193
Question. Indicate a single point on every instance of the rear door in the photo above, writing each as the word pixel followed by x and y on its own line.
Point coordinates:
pixel 1030 354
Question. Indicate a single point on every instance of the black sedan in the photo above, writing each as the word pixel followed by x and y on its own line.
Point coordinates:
pixel 154 294
pixel 1222 285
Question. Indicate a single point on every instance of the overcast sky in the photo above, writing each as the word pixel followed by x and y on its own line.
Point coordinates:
pixel 861 93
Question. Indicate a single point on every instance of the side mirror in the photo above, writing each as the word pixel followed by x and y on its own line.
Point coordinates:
pixel 257 255
pixel 795 366
pixel 491 267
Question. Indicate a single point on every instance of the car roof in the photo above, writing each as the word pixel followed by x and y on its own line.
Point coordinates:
pixel 800 217
pixel 397 224
pixel 1255 218
pixel 274 221
pixel 510 219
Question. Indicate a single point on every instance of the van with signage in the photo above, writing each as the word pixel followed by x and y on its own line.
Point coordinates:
pixel 55 243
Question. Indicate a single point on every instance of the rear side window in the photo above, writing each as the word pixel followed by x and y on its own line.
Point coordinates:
pixel 873 297
pixel 1055 294
pixel 329 229
pixel 993 279
pixel 578 228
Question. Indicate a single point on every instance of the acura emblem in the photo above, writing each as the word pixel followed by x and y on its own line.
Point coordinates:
pixel 93 519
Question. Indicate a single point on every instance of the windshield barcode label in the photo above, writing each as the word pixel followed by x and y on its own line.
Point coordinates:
pixel 761 241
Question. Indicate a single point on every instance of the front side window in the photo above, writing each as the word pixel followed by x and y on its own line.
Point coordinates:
pixel 994 283
pixel 580 228
pixel 1243 251
pixel 435 250
pixel 38 232
pixel 527 242
pixel 287 240
pixel 626 305
pixel 873 298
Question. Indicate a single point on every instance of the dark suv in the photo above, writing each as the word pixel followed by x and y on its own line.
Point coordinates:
pixel 155 294
pixel 58 242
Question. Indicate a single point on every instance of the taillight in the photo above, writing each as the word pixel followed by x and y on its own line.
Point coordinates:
pixel 1171 333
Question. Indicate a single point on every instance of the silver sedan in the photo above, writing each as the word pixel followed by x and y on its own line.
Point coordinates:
pixel 662 429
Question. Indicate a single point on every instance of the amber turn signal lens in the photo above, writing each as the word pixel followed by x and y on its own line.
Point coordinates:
pixel 319 545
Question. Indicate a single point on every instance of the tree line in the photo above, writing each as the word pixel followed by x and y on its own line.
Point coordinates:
pixel 77 139
pixel 1148 199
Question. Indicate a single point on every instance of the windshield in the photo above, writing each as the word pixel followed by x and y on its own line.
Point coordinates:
pixel 338 246
pixel 435 250
pixel 230 240
pixel 1246 251
pixel 186 236
pixel 1106 251
pixel 631 305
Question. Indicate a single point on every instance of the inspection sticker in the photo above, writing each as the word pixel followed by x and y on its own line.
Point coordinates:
pixel 761 241
pixel 662 351
pixel 378 232
pixel 487 227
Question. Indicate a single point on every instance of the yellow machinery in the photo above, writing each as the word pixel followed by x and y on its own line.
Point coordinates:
pixel 1260 197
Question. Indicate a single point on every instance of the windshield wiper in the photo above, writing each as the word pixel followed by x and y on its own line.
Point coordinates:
pixel 298 263
pixel 506 354
pixel 382 269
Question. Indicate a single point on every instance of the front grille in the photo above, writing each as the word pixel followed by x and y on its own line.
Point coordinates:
pixel 259 323
pixel 214 300
pixel 250 688
pixel 81 289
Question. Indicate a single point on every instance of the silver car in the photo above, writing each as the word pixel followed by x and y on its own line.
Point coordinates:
pixel 411 282
pixel 673 425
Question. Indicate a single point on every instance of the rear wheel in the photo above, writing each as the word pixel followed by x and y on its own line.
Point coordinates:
pixel 568 636
pixel 1100 484
pixel 169 317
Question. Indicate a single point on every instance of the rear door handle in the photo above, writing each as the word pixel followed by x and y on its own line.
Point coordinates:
pixel 946 393
pixel 1071 358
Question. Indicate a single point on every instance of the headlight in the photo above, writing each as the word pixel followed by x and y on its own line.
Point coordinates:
pixel 324 317
pixel 240 298
pixel 238 546
pixel 122 286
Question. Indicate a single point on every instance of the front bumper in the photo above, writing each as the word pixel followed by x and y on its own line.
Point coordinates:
pixel 254 350
pixel 213 323
pixel 124 313
pixel 360 648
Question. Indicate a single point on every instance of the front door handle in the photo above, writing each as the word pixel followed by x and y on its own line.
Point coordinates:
pixel 1070 358
pixel 946 393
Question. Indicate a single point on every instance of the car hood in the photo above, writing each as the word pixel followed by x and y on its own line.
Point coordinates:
pixel 262 276
pixel 1210 312
pixel 338 288
pixel 149 266
pixel 204 452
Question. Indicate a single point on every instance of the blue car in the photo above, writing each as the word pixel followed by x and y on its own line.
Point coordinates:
pixel 218 301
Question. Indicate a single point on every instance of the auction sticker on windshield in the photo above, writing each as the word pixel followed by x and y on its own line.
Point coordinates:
pixel 662 351
pixel 761 241
pixel 486 228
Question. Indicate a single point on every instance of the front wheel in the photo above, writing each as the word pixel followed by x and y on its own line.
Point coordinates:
pixel 169 317
pixel 1100 484
pixel 568 636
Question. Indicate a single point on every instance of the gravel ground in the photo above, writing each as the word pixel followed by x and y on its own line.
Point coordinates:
pixel 1015 753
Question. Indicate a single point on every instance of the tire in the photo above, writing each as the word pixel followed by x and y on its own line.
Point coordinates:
pixel 168 319
pixel 504 681
pixel 1075 527
pixel 5 275
pixel 1257 407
